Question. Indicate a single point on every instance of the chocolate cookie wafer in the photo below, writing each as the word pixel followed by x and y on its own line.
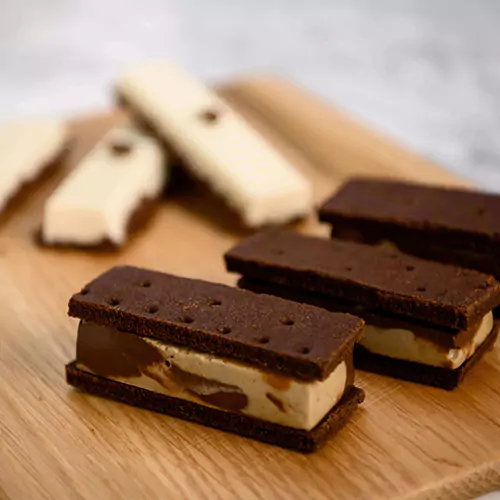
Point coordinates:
pixel 454 226
pixel 252 364
pixel 415 310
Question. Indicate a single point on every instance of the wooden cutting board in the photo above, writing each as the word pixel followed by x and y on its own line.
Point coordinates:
pixel 407 441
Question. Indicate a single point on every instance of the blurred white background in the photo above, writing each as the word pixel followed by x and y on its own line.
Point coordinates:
pixel 426 72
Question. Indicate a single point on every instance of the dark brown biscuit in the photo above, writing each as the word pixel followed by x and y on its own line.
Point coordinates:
pixel 379 279
pixel 447 339
pixel 286 437
pixel 489 264
pixel 423 220
pixel 302 341
pixel 443 378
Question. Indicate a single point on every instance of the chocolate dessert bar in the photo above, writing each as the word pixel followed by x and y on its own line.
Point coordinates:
pixel 447 225
pixel 253 364
pixel 30 149
pixel 215 143
pixel 112 192
pixel 431 316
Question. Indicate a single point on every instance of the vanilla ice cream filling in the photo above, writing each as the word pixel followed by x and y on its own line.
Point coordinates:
pixel 207 379
pixel 404 344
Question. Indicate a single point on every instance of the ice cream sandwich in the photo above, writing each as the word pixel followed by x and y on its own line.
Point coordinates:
pixel 425 321
pixel 454 226
pixel 252 364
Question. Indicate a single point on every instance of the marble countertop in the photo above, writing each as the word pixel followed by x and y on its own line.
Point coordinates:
pixel 426 72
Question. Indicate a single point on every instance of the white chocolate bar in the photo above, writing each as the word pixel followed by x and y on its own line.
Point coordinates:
pixel 96 201
pixel 27 148
pixel 219 146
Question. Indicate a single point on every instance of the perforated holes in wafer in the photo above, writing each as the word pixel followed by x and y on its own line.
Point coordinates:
pixel 152 309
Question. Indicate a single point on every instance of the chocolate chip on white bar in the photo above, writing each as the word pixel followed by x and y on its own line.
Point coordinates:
pixel 217 144
pixel 259 366
pixel 113 190
pixel 28 148
pixel 425 321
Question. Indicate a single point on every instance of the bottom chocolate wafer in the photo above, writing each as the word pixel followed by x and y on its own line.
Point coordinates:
pixel 286 437
pixel 444 378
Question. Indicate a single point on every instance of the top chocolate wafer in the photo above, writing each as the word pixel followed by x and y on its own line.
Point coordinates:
pixel 459 219
pixel 374 277
pixel 303 341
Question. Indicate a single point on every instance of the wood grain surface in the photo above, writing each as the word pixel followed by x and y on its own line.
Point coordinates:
pixel 406 441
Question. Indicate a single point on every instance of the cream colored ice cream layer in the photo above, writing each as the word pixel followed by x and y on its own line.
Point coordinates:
pixel 219 146
pixel 27 147
pixel 404 344
pixel 97 200
pixel 212 381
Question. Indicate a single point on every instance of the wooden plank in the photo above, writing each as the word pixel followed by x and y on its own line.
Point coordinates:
pixel 328 138
pixel 59 443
